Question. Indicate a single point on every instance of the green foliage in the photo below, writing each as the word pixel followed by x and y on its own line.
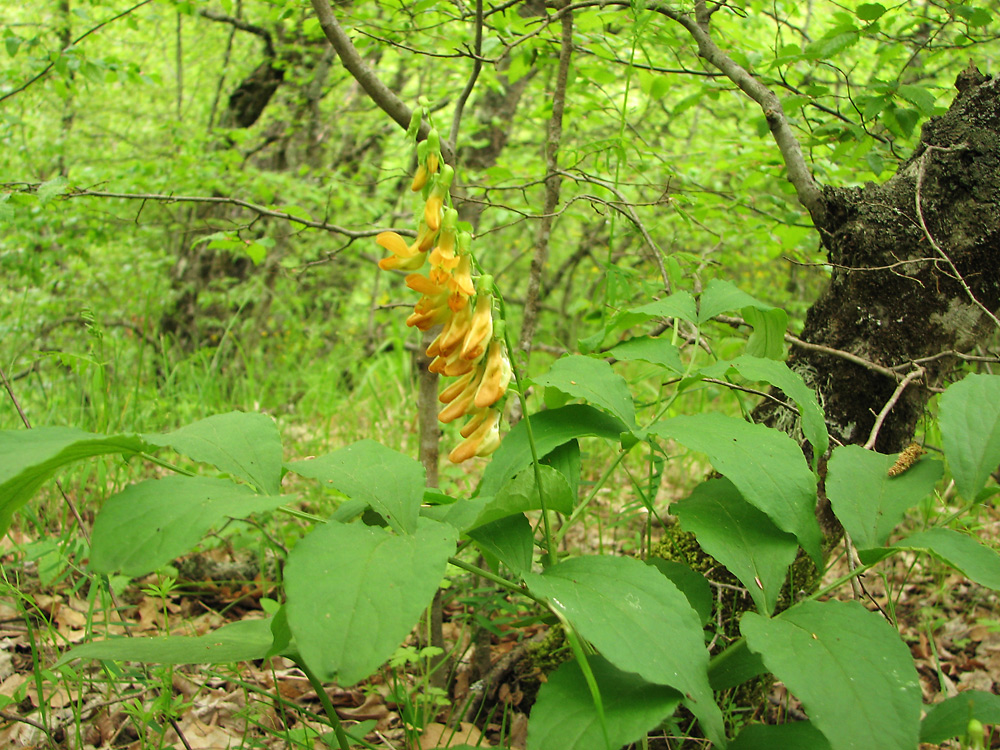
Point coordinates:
pixel 131 311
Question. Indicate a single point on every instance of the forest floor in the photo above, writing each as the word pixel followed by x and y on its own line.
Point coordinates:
pixel 951 626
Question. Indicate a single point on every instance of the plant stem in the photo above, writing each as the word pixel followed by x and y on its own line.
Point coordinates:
pixel 324 699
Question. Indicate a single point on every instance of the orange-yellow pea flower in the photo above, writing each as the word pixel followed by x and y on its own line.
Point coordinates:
pixel 433 209
pixel 461 277
pixel 458 330
pixel 461 403
pixel 450 393
pixel 496 376
pixel 480 329
pixel 452 366
pixel 404 256
pixel 481 442
pixel 420 178
pixel 478 415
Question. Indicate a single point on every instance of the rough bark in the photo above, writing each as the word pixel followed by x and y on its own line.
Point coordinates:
pixel 894 297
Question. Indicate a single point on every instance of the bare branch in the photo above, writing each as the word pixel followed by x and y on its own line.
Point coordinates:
pixel 239 23
pixel 477 65
pixel 381 94
pixel 256 208
pixel 45 71
pixel 806 188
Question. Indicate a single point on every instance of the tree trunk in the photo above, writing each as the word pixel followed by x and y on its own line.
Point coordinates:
pixel 908 283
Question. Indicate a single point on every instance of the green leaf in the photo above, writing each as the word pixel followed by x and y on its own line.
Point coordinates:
pixel 722 296
pixel 510 540
pixel 792 385
pixel 243 444
pixel 393 484
pixel 766 466
pixel 923 99
pixel 354 593
pixel 564 718
pixel 29 457
pixel 594 381
pixel 657 351
pixel 238 641
pixel 734 666
pixel 150 523
pixel 969 418
pixel 678 305
pixel 951 718
pixel 52 188
pixel 870 11
pixel 867 501
pixel 689 582
pixel 800 735
pixel 639 621
pixel 521 494
pixel 850 669
pixel 740 537
pixel 551 429
pixel 960 551
pixel 768 337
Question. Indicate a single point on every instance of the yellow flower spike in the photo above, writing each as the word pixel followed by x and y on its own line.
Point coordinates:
pixel 455 366
pixel 496 377
pixel 481 442
pixel 480 329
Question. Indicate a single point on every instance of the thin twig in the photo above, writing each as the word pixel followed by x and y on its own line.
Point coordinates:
pixel 44 71
pixel 477 66
pixel 915 374
pixel 255 207
pixel 921 166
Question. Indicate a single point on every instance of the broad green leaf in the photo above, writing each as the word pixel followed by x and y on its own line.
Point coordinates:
pixel 969 418
pixel 791 384
pixel 238 641
pixel 594 381
pixel 722 296
pixel 951 718
pixel 564 718
pixel 689 582
pixel 657 351
pixel 551 429
pixel 850 669
pixel 639 621
pixel 766 466
pixel 393 484
pixel 768 337
pixel 510 540
pixel 870 11
pixel 29 457
pixel 566 460
pixel 866 499
pixel 678 305
pixel 521 494
pixel 243 444
pixel 740 537
pixel 354 593
pixel 734 666
pixel 799 735
pixel 148 524
pixel 960 551
pixel 922 98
